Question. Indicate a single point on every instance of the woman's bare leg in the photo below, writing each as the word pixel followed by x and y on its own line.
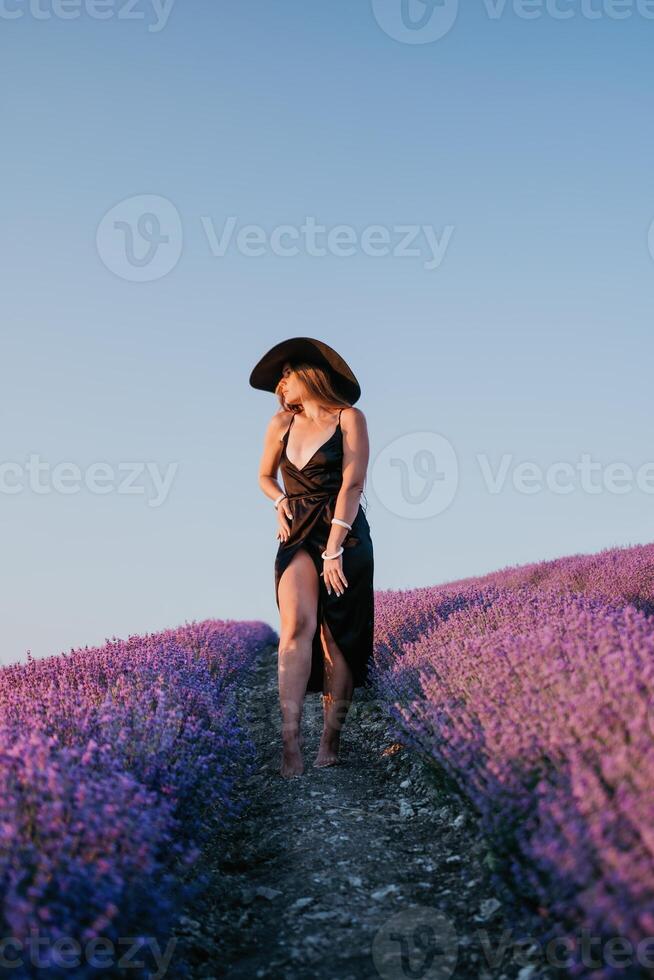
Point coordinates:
pixel 298 603
pixel 337 696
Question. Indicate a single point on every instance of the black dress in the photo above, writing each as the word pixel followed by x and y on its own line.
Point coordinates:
pixel 312 493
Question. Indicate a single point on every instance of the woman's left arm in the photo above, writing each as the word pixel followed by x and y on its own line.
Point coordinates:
pixel 356 452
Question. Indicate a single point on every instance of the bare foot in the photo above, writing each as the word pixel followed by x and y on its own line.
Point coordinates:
pixel 292 762
pixel 327 752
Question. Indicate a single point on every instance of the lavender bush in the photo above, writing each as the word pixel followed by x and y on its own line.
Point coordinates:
pixel 532 688
pixel 111 758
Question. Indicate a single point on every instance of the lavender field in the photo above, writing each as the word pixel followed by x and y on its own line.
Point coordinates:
pixel 529 688
pixel 111 758
pixel 532 689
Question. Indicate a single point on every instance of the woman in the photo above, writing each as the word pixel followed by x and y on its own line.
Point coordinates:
pixel 324 563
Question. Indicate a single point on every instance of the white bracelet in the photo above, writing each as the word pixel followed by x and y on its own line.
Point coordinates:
pixel 281 497
pixel 335 520
pixel 338 553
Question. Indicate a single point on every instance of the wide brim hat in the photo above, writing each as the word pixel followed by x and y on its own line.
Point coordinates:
pixel 267 373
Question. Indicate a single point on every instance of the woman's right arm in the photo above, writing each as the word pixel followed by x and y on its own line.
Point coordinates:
pixel 269 466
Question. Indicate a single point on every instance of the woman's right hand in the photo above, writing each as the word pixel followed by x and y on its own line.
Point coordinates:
pixel 284 515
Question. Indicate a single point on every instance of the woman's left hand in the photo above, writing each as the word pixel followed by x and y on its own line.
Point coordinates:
pixel 333 575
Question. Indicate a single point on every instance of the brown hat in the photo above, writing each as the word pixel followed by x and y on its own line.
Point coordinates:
pixel 267 373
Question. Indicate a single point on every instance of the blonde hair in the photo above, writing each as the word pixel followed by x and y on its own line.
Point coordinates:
pixel 319 383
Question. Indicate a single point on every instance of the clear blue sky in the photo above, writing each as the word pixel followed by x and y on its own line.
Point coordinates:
pixel 530 140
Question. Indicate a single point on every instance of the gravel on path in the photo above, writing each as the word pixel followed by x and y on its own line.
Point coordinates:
pixel 373 868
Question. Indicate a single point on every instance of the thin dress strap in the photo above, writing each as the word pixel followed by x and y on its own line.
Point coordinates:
pixel 283 439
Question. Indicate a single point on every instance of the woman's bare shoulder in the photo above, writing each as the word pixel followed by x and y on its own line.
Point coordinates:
pixel 279 423
pixel 352 416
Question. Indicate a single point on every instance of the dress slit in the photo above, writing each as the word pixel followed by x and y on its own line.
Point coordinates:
pixel 316 676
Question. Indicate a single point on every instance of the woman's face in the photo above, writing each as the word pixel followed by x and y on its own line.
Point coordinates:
pixel 291 385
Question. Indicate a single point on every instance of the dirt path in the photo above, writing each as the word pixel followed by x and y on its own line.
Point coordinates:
pixel 373 868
